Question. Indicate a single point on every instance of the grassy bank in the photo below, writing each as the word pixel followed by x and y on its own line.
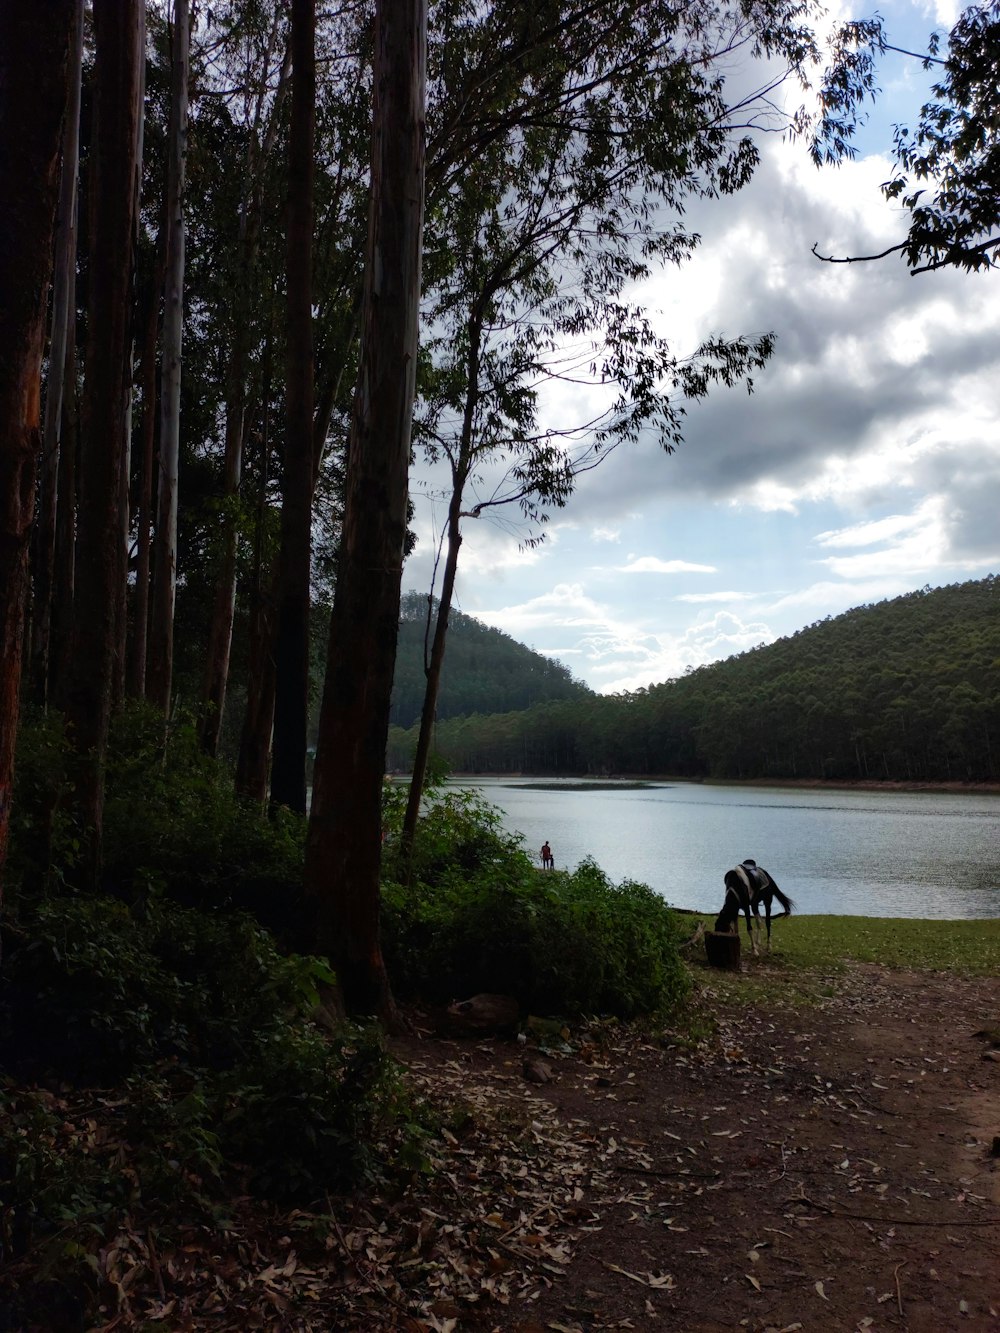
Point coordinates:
pixel 968 948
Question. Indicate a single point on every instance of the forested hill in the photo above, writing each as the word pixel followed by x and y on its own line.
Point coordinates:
pixel 485 670
pixel 905 690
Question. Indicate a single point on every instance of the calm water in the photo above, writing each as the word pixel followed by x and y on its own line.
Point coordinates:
pixel 915 854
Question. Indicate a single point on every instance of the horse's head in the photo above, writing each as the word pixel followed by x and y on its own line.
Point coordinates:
pixel 728 916
pixel 736 894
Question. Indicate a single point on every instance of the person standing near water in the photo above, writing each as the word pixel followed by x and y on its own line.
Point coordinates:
pixel 548 861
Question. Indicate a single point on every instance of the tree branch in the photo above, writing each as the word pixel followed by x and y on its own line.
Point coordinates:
pixel 857 259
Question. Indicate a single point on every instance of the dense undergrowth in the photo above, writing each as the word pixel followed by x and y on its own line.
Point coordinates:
pixel 163 1051
pixel 477 916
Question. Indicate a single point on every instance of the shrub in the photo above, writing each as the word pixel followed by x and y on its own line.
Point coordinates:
pixel 173 821
pixel 42 840
pixel 94 989
pixel 306 1109
pixel 478 917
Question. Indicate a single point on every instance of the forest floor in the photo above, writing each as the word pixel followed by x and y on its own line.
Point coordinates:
pixel 818 1167
pixel 823 1162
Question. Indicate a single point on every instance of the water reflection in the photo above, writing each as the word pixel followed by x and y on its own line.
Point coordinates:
pixel 895 854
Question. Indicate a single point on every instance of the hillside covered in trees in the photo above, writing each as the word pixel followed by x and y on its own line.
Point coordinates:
pixel 903 690
pixel 485 671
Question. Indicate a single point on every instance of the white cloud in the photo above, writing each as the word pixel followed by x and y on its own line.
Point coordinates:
pixel 651 564
pixel 699 597
pixel 866 534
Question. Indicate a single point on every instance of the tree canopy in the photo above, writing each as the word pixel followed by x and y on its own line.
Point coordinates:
pixel 903 690
pixel 947 167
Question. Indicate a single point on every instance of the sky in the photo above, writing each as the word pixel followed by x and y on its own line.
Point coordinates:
pixel 866 463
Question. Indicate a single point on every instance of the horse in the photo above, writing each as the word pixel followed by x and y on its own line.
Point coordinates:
pixel 747 886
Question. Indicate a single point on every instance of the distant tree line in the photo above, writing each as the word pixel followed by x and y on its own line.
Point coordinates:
pixel 904 690
pixel 485 671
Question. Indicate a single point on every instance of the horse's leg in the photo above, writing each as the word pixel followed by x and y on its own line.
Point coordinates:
pixel 756 919
pixel 767 918
pixel 750 934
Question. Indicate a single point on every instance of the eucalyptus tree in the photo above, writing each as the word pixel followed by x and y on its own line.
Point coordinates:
pixel 947 168
pixel 62 328
pixel 565 147
pixel 343 844
pixel 119 29
pixel 33 97
pixel 250 75
pixel 165 550
pixel 263 64
pixel 288 775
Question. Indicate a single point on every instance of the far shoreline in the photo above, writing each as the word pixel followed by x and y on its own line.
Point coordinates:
pixel 818 784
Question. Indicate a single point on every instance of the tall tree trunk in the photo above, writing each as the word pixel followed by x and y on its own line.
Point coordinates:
pixel 63 324
pixel 125 471
pixel 291 652
pixel 213 701
pixel 100 565
pixel 136 681
pixel 63 575
pixel 161 647
pixel 35 41
pixel 343 848
pixel 432 673
pixel 253 764
pixel 461 466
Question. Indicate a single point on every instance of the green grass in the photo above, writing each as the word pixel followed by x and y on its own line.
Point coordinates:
pixel 825 943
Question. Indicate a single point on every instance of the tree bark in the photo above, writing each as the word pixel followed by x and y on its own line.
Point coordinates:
pixel 63 574
pixel 161 648
pixel 63 324
pixel 343 848
pixel 291 649
pixel 253 764
pixel 100 565
pixel 150 317
pixel 33 88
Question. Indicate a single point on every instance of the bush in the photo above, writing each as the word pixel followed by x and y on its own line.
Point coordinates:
pixel 205 1031
pixel 306 1109
pixel 94 989
pixel 174 822
pixel 43 842
pixel 478 917
pixel 180 1063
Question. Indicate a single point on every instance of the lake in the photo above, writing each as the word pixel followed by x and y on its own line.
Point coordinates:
pixel 852 853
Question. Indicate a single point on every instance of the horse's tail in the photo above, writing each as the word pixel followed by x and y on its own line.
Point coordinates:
pixel 783 898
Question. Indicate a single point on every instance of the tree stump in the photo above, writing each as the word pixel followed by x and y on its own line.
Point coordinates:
pixel 722 949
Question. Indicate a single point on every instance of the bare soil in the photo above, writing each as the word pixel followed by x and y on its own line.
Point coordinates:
pixel 818 1167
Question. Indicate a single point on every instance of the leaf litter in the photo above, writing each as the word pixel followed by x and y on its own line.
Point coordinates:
pixel 775 1141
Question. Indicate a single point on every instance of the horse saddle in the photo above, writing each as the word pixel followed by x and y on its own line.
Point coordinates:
pixel 757 880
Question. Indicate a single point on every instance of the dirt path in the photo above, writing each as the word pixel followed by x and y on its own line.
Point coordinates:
pixel 823 1169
